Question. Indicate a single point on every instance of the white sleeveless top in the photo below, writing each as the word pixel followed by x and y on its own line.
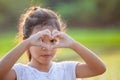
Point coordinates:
pixel 58 71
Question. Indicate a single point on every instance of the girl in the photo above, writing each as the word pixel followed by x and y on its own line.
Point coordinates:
pixel 42 32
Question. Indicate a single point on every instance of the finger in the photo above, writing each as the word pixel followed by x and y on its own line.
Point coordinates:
pixel 42 44
pixel 38 44
pixel 43 33
pixel 49 47
pixel 57 46
pixel 56 35
pixel 55 31
pixel 47 32
pixel 59 36
pixel 54 46
pixel 46 46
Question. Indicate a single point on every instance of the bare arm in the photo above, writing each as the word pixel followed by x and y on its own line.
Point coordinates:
pixel 6 73
pixel 93 65
pixel 10 59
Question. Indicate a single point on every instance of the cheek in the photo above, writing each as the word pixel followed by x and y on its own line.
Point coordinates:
pixel 54 52
pixel 35 50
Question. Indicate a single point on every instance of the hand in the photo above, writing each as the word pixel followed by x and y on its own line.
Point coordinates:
pixel 37 39
pixel 63 39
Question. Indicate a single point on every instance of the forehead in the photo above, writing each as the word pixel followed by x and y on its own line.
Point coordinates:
pixel 40 28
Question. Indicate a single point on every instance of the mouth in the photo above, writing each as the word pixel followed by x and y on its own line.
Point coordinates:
pixel 45 56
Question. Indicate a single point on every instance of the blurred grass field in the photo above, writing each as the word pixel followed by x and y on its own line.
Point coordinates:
pixel 104 42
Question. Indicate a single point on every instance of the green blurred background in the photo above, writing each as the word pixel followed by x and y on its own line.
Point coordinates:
pixel 94 23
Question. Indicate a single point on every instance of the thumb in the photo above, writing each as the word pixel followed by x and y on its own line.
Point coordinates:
pixel 58 46
pixel 55 46
pixel 41 44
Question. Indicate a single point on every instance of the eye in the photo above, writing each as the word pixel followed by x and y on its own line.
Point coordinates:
pixel 53 40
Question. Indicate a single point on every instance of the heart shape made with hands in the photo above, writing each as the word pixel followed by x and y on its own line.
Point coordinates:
pixel 50 38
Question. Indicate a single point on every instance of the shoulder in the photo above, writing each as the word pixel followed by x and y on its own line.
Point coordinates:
pixel 67 65
pixel 22 71
pixel 19 66
pixel 66 69
pixel 12 74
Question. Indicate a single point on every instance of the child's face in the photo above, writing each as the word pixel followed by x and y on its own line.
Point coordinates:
pixel 42 55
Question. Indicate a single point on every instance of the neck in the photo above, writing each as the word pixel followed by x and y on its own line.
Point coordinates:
pixel 40 66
